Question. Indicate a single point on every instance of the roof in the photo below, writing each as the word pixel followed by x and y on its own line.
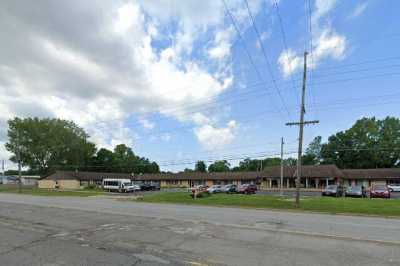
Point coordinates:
pixel 379 173
pixel 328 170
pixel 269 172
pixel 202 176
pixel 84 176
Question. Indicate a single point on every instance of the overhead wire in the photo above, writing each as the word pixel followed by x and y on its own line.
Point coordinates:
pixel 269 68
pixel 245 48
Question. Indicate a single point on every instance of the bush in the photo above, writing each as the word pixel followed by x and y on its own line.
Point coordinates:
pixel 91 186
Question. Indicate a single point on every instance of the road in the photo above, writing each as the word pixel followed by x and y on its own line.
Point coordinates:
pixel 103 231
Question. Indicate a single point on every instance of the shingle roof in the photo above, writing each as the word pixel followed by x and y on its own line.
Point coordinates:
pixel 84 176
pixel 329 170
pixel 380 173
pixel 269 172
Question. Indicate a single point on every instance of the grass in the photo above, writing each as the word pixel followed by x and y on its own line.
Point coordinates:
pixel 46 192
pixel 379 207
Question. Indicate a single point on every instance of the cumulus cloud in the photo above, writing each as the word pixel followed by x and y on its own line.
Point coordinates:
pixel 98 63
pixel 327 43
pixel 214 137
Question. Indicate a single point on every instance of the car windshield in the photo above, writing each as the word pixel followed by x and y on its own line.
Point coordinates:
pixel 355 188
pixel 331 187
pixel 380 188
pixel 127 184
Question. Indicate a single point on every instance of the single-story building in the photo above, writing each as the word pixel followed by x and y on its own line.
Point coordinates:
pixel 369 177
pixel 313 177
pixel 76 180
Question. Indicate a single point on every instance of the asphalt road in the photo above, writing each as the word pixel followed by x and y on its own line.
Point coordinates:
pixel 101 231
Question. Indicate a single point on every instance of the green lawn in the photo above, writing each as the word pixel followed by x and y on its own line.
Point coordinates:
pixel 45 192
pixel 381 207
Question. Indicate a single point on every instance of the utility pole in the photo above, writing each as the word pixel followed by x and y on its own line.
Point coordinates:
pixel 301 129
pixel 281 185
pixel 19 164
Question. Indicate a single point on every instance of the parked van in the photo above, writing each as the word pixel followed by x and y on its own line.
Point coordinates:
pixel 119 185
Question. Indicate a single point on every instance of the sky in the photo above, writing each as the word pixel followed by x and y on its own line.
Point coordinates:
pixel 180 81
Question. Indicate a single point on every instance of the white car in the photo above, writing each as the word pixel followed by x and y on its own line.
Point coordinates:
pixel 215 189
pixel 394 188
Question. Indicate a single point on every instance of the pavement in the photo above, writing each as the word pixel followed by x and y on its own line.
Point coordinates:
pixel 102 231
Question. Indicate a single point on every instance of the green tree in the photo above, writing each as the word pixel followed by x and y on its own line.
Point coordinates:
pixel 219 166
pixel 369 143
pixel 200 167
pixel 312 155
pixel 123 160
pixel 48 144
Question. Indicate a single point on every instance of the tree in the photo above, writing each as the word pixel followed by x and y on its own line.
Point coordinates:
pixel 48 144
pixel 200 167
pixel 123 160
pixel 312 155
pixel 369 143
pixel 219 166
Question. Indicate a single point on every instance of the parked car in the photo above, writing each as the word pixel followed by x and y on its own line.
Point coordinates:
pixel 379 191
pixel 356 191
pixel 247 189
pixel 149 186
pixel 333 190
pixel 394 188
pixel 215 189
pixel 230 188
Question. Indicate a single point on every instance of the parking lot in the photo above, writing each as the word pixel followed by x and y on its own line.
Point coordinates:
pixel 393 195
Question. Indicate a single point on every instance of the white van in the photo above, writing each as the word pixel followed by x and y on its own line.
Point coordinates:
pixel 119 185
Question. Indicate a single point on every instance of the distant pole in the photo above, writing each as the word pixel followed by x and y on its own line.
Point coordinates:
pixel 2 167
pixel 281 184
pixel 19 164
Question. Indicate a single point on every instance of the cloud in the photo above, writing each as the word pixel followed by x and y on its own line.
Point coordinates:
pixel 98 63
pixel 327 43
pixel 358 10
pixel 146 123
pixel 212 137
pixel 289 62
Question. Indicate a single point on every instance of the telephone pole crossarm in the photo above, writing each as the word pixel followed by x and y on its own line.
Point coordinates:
pixel 303 123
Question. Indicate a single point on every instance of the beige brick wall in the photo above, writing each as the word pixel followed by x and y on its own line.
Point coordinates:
pixel 177 183
pixel 69 184
pixel 47 184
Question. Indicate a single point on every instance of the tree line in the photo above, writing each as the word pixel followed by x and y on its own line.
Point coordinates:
pixel 45 145
pixel 48 144
pixel 369 143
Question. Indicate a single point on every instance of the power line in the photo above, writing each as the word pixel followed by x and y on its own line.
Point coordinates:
pixel 245 47
pixel 283 34
pixel 265 56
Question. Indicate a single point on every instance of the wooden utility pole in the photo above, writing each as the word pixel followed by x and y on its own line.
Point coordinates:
pixel 301 129
pixel 19 164
pixel 281 184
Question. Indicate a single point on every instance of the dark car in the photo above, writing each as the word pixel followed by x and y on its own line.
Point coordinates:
pixel 333 190
pixel 380 191
pixel 230 188
pixel 247 189
pixel 356 191
pixel 149 186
